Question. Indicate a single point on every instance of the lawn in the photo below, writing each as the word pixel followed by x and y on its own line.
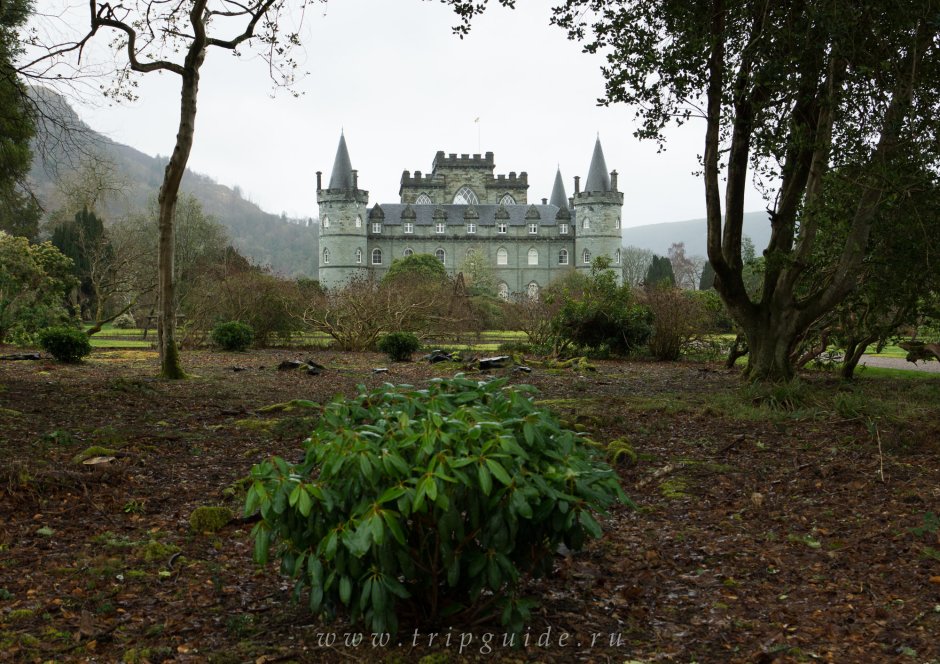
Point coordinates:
pixel 780 524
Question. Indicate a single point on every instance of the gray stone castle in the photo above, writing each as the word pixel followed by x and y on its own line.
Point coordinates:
pixel 461 207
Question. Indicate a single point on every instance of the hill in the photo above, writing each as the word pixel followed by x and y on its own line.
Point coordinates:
pixel 658 237
pixel 64 144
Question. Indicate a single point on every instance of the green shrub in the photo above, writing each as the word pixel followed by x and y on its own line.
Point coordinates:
pixel 232 336
pixel 65 344
pixel 431 497
pixel 125 321
pixel 399 346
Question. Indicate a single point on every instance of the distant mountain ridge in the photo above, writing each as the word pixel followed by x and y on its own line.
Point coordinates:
pixel 658 237
pixel 63 140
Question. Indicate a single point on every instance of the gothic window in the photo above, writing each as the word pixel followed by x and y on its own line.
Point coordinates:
pixel 586 224
pixel 562 229
pixel 501 228
pixel 502 290
pixel 423 199
pixel 376 228
pixel 326 222
pixel 533 229
pixel 409 251
pixel 533 256
pixel 617 223
pixel 507 200
pixel 441 255
pixel 358 221
pixel 439 227
pixel 471 228
pixel 465 196
pixel 358 255
pixel 409 227
pixel 563 257
pixel 502 256
pixel 532 290
pixel 326 256
pixel 617 257
pixel 586 257
pixel 376 256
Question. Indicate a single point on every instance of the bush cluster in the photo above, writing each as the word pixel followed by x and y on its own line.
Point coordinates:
pixel 125 322
pixel 430 501
pixel 232 336
pixel 66 344
pixel 399 346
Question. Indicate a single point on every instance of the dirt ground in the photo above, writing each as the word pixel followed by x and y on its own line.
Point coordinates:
pixel 802 533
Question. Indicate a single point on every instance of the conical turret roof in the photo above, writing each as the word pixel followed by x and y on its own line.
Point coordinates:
pixel 342 177
pixel 559 199
pixel 598 178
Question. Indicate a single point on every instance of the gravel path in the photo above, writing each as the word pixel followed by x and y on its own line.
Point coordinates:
pixel 899 363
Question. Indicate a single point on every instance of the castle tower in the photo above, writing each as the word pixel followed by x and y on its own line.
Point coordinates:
pixel 597 215
pixel 344 250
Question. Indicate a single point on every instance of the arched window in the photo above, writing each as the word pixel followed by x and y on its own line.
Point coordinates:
pixel 563 257
pixel 533 256
pixel 507 200
pixel 376 256
pixel 471 251
pixel 423 199
pixel 532 290
pixel 326 222
pixel 502 256
pixel 326 256
pixel 586 257
pixel 358 221
pixel 502 290
pixel 586 223
pixel 617 223
pixel 465 196
pixel 617 257
pixel 441 255
pixel 358 255
pixel 409 251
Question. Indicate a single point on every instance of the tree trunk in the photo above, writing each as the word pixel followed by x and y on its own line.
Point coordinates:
pixel 170 365
pixel 770 342
pixel 854 349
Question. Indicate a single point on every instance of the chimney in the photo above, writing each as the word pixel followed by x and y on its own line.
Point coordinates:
pixel 544 201
pixel 355 179
pixel 613 180
pixel 319 180
pixel 577 185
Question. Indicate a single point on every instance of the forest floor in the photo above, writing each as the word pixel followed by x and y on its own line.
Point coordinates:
pixel 773 525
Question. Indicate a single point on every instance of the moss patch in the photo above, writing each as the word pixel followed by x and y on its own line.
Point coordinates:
pixel 674 488
pixel 153 551
pixel 208 519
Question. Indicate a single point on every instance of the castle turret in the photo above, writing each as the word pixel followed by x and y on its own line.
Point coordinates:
pixel 559 199
pixel 597 215
pixel 344 252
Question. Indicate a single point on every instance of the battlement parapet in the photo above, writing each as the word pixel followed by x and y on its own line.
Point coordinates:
pixel 453 160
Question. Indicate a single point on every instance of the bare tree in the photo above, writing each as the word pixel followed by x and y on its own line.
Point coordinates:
pixel 149 33
pixel 636 261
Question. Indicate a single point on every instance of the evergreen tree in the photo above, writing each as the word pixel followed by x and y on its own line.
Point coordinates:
pixel 660 272
pixel 19 212
pixel 707 282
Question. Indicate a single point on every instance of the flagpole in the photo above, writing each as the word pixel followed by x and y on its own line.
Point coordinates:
pixel 479 143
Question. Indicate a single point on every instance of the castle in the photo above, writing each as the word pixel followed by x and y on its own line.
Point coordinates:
pixel 462 207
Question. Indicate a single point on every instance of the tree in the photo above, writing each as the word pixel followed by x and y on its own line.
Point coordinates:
pixel 479 274
pixel 686 269
pixel 19 212
pixel 707 280
pixel 83 240
pixel 659 272
pixel 636 262
pixel 416 267
pixel 797 93
pixel 149 33
pixel 34 282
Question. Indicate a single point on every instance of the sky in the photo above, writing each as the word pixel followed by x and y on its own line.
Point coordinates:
pixel 393 77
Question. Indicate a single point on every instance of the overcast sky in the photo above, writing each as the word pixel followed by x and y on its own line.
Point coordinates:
pixel 402 86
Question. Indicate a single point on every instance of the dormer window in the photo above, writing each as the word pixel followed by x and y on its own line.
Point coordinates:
pixel 471 228
pixel 533 229
pixel 501 227
pixel 376 227
pixel 439 227
pixel 562 229
pixel 409 228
